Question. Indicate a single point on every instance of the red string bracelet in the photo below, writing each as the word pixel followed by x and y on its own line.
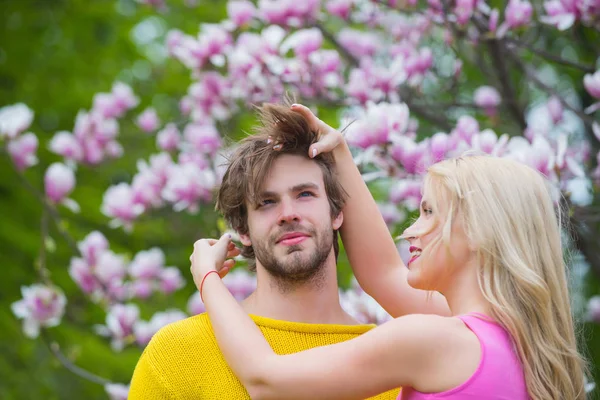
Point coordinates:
pixel 202 283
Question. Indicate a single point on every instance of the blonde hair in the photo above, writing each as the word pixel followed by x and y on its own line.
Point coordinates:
pixel 509 217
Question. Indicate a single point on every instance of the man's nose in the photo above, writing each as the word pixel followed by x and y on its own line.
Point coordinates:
pixel 288 212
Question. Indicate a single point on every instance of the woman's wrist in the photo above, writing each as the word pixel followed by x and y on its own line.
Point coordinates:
pixel 204 278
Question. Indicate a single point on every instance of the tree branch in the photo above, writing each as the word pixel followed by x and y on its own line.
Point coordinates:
pixel 550 56
pixel 422 110
pixel 406 95
pixel 343 51
pixel 83 373
pixel 508 93
pixel 50 209
pixel 588 120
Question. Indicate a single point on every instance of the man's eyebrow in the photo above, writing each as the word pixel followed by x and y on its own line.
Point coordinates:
pixel 266 194
pixel 304 186
pixel 294 189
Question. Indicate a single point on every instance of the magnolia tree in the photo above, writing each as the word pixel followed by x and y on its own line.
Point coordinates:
pixel 412 82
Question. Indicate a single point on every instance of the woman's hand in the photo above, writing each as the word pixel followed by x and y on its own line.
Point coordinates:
pixel 329 138
pixel 212 255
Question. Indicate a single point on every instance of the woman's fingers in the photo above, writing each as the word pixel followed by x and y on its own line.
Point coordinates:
pixel 329 138
pixel 326 144
pixel 227 266
pixel 313 122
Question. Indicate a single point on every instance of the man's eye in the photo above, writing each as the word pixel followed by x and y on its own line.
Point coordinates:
pixel 306 194
pixel 265 202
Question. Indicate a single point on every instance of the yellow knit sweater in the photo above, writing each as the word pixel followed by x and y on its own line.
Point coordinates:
pixel 183 361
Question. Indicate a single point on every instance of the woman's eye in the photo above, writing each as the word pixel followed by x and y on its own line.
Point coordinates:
pixel 428 211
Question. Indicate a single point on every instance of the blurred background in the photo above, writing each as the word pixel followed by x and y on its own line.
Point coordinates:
pixel 115 115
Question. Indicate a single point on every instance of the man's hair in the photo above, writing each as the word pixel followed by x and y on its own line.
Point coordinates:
pixel 251 162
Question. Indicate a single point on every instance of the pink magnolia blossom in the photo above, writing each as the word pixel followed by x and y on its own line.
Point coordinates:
pixel 303 42
pixel 359 44
pixel 195 305
pixel 41 306
pixel 592 84
pixel 339 8
pixel 142 288
pixel 144 331
pixel 148 121
pixel 59 181
pixel 170 280
pixel 440 144
pixel 464 10
pixel 23 150
pixel 555 109
pixel 147 264
pixel 378 125
pixel 110 267
pixel 187 186
pixel 173 41
pixel 124 98
pixel 82 274
pixel 487 98
pixel 168 138
pixel 240 12
pixel 120 321
pixel 210 98
pixel 150 180
pixel 407 191
pixel 593 309
pixel 116 391
pixel 240 283
pixel 289 12
pixel 215 41
pixel 14 119
pixel 418 64
pixel 493 22
pixel 390 213
pixel 94 244
pixel 518 13
pixel 410 154
pixel 561 13
pixel 363 307
pixel 117 103
pixel 360 87
pixel 487 141
pixel 203 137
pixel 188 51
pixel 65 144
pixel 118 203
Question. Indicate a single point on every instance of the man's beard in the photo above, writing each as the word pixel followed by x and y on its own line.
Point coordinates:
pixel 297 268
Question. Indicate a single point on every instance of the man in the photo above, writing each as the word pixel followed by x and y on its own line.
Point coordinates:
pixel 286 208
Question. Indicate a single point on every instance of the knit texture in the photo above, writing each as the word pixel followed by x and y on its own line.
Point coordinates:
pixel 183 360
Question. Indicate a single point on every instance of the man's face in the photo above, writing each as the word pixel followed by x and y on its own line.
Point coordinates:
pixel 291 229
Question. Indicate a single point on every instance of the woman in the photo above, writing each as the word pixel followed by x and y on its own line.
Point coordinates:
pixel 487 240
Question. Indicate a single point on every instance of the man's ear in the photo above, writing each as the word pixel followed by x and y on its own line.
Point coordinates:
pixel 245 239
pixel 337 221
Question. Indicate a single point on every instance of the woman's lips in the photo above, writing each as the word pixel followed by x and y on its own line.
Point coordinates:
pixel 413 258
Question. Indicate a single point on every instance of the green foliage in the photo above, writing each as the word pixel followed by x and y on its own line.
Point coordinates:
pixel 54 56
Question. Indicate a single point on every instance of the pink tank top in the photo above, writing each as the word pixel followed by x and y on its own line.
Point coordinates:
pixel 499 375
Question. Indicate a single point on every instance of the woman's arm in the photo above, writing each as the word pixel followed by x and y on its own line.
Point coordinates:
pixel 395 354
pixel 371 250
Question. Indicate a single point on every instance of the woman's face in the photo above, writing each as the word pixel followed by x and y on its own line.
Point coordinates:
pixel 432 264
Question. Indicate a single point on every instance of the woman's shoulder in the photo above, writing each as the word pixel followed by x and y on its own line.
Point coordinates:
pixel 434 334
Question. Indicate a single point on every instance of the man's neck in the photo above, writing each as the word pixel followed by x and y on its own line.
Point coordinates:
pixel 309 302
